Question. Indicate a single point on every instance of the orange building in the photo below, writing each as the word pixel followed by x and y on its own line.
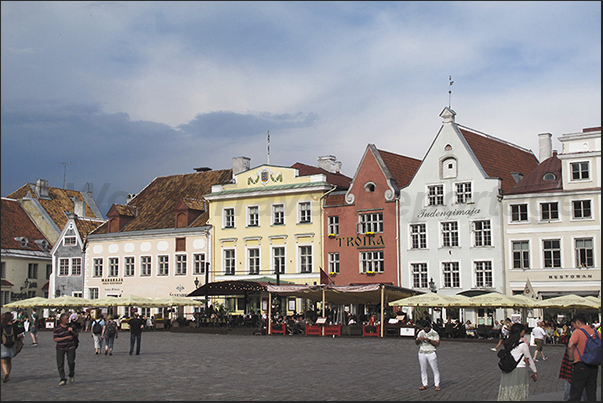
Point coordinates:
pixel 361 224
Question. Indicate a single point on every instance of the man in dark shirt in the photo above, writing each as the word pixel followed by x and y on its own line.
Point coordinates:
pixel 64 336
pixel 136 326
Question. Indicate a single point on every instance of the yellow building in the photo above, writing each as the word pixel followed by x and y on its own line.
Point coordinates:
pixel 269 223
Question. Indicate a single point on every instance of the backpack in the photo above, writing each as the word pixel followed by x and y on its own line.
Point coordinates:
pixel 8 338
pixel 97 328
pixel 507 363
pixel 592 349
pixel 110 330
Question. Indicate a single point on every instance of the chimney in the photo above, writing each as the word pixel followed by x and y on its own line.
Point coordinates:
pixel 329 163
pixel 240 164
pixel 79 208
pixel 545 146
pixel 42 189
pixel 130 197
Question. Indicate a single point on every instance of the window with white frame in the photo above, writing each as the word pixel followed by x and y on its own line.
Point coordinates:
pixel 418 236
pixel 229 262
pixel 198 263
pixel 435 195
pixel 76 266
pixel 69 240
pixel 163 268
pixel 372 262
pixel 482 233
pixel 581 209
pixel 145 266
pixel 278 259
pixel 464 193
pixel 253 216
pixel 552 252
pixel 521 254
pixel 452 274
pixel 63 266
pixel 579 170
pixel 278 214
pixel 32 270
pixel 305 259
pixel 129 268
pixel 253 260
pixel 93 293
pixel 305 213
pixel 584 252
pixel 370 222
pixel 229 218
pixel 333 262
pixel 113 267
pixel 549 211
pixel 181 265
pixel 519 212
pixel 98 267
pixel 333 225
pixel 450 234
pixel 419 275
pixel 483 274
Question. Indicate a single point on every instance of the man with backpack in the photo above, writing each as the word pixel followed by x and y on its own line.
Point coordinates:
pixel 96 331
pixel 584 351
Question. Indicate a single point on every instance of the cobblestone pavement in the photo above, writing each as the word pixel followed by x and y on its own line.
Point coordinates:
pixel 192 366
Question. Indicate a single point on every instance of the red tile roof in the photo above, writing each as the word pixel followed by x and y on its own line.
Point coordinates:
pixel 499 158
pixel 59 203
pixel 402 168
pixel 156 203
pixel 16 223
pixel 534 182
pixel 86 226
pixel 340 180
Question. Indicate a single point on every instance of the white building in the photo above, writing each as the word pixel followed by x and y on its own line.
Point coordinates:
pixel 553 220
pixel 451 226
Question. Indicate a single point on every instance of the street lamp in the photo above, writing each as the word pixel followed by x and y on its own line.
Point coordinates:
pixel 432 286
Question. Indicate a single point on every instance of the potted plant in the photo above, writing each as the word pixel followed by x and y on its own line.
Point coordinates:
pixel 331 235
pixel 333 273
pixel 370 272
pixel 369 233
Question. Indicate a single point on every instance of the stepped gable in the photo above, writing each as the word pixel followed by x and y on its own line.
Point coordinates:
pixel 16 223
pixel 499 158
pixel 156 204
pixel 59 203
pixel 535 181
pixel 338 179
pixel 401 168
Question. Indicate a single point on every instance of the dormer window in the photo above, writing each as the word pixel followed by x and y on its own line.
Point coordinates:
pixel 449 168
pixel 549 176
pixel 23 241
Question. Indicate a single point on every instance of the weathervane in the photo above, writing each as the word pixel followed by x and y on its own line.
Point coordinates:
pixel 450 82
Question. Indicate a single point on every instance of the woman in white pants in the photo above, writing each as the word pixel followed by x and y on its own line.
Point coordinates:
pixel 428 340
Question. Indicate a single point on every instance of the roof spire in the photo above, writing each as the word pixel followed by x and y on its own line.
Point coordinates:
pixel 450 82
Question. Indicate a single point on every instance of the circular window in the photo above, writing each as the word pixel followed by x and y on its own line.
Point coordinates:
pixel 448 147
pixel 369 187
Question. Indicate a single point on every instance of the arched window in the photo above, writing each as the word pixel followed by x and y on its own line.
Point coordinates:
pixel 449 168
pixel 549 176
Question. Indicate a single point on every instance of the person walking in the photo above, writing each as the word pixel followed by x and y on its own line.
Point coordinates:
pixel 584 376
pixel 428 340
pixel 11 334
pixel 66 338
pixel 109 334
pixel 515 385
pixel 539 334
pixel 96 331
pixel 136 326
pixel 34 323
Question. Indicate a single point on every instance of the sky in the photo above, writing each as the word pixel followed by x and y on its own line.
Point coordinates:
pixel 110 95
